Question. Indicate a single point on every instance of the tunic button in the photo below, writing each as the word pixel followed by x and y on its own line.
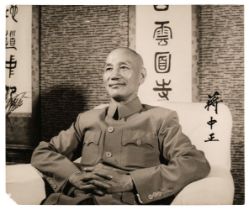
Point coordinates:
pixel 108 154
pixel 110 129
pixel 139 142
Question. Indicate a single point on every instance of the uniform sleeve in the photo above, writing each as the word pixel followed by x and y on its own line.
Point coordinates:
pixel 181 164
pixel 54 158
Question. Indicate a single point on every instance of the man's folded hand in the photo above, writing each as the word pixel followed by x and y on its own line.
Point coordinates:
pixel 82 181
pixel 101 179
pixel 119 183
pixel 111 180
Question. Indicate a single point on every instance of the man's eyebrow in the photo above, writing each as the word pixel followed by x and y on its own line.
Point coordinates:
pixel 108 64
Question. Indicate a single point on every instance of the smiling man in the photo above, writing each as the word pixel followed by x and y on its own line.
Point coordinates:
pixel 131 153
pixel 123 74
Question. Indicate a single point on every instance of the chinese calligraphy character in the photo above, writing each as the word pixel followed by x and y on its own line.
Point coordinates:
pixel 162 33
pixel 211 138
pixel 13 10
pixel 213 101
pixel 162 62
pixel 161 7
pixel 11 65
pixel 11 42
pixel 164 90
pixel 10 90
pixel 211 122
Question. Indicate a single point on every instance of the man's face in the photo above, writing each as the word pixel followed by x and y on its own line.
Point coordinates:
pixel 122 75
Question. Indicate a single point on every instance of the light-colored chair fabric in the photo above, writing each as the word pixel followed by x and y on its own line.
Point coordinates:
pixel 26 186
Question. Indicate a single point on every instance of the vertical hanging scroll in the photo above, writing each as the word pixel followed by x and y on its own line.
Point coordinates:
pixel 18 59
pixel 164 39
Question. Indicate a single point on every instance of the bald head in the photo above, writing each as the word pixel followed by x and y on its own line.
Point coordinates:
pixel 127 52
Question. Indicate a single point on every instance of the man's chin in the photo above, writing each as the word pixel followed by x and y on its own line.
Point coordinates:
pixel 118 98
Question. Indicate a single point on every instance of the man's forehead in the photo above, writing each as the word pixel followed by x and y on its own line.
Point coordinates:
pixel 110 62
pixel 123 54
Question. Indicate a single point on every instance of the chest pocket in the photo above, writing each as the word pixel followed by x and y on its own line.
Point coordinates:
pixel 139 149
pixel 91 150
pixel 138 139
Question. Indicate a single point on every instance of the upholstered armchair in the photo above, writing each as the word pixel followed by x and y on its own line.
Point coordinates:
pixel 25 184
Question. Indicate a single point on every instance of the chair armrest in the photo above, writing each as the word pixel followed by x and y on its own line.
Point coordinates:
pixel 24 184
pixel 216 189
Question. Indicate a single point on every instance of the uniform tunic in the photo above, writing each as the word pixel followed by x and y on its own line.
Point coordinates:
pixel 145 141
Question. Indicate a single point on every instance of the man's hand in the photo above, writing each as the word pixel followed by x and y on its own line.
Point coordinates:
pixel 111 179
pixel 119 182
pixel 82 180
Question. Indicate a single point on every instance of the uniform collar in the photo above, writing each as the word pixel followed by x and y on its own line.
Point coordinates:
pixel 124 109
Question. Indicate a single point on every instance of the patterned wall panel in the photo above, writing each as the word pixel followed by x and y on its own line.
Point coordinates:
pixel 195 78
pixel 221 68
pixel 75 41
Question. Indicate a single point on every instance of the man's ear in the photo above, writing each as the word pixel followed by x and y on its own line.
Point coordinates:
pixel 143 74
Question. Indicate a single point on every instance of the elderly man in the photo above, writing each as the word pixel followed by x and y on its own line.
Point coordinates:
pixel 131 153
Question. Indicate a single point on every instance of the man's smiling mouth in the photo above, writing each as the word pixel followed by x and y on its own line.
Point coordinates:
pixel 117 85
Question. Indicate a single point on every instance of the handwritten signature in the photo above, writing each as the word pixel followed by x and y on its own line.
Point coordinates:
pixel 13 102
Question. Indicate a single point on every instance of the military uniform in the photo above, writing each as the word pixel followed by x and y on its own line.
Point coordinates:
pixel 146 142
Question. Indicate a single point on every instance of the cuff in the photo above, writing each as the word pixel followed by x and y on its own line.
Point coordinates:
pixel 68 188
pixel 148 184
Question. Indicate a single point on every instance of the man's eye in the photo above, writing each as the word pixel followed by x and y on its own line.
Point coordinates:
pixel 108 69
pixel 124 67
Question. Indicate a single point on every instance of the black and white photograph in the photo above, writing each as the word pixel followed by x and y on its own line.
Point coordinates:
pixel 114 104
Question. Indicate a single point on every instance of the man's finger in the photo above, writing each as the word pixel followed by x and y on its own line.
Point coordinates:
pixel 98 192
pixel 100 184
pixel 103 175
pixel 87 187
pixel 90 176
pixel 88 169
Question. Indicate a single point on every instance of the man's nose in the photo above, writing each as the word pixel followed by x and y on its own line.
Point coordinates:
pixel 115 75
